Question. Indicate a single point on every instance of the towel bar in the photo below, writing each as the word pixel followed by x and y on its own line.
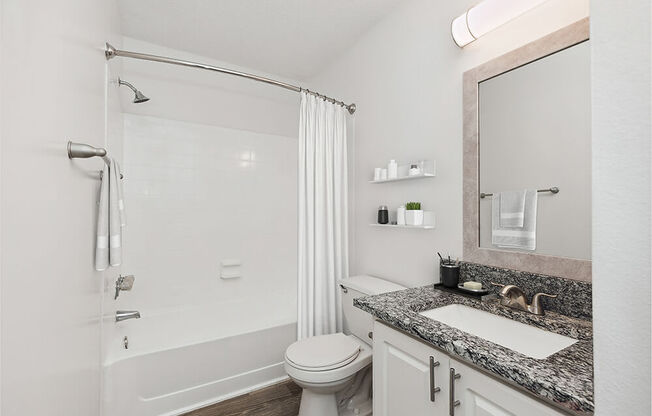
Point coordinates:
pixel 84 151
pixel 553 190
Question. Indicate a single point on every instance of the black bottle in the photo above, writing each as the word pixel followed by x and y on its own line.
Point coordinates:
pixel 383 215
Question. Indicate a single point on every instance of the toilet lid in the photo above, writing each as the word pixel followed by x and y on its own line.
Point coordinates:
pixel 324 352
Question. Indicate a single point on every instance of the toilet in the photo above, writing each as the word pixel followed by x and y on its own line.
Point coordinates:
pixel 334 369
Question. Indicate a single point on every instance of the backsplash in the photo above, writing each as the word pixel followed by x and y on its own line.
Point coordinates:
pixel 574 296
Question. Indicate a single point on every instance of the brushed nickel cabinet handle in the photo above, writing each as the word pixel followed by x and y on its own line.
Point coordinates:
pixel 433 389
pixel 451 399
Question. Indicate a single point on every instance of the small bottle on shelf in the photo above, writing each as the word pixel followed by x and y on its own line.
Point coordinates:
pixel 383 215
pixel 400 215
pixel 392 169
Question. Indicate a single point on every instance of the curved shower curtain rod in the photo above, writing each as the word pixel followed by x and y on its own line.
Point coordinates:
pixel 112 52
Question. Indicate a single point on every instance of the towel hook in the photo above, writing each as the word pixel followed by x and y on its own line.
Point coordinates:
pixel 84 151
pixel 81 150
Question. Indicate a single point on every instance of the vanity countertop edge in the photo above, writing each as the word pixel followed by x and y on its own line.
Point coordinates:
pixel 564 379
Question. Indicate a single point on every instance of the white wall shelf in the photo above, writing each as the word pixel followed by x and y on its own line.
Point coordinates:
pixel 405 178
pixel 428 223
pixel 418 227
pixel 403 170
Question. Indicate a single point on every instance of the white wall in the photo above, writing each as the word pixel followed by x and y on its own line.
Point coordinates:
pixel 622 170
pixel 53 85
pixel 405 75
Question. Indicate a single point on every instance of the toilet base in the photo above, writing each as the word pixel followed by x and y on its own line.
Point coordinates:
pixel 362 409
pixel 315 404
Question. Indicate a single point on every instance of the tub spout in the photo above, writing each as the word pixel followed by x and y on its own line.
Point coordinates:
pixel 124 315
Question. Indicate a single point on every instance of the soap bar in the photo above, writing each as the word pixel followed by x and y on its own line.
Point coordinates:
pixel 473 285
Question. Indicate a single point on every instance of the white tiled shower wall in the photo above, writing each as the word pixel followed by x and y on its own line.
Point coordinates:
pixel 200 194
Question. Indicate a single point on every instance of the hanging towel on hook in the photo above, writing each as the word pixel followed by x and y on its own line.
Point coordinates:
pixel 110 218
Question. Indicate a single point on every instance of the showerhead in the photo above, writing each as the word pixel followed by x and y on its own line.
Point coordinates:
pixel 139 97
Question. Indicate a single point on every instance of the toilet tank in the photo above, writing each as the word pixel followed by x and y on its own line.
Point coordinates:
pixel 356 321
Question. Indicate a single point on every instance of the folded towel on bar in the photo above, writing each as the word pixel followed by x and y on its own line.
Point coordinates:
pixel 524 237
pixel 512 208
pixel 110 218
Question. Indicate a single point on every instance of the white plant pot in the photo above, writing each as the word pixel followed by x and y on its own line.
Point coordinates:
pixel 414 217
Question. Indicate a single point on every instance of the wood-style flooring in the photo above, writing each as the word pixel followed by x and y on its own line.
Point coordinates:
pixel 277 400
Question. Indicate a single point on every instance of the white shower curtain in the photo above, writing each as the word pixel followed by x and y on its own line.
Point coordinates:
pixel 323 224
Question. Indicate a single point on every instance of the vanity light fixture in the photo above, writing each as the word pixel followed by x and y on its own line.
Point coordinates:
pixel 487 16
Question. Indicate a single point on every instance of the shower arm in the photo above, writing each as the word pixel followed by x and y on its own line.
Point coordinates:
pixel 112 52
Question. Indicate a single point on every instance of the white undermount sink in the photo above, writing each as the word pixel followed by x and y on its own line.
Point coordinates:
pixel 528 340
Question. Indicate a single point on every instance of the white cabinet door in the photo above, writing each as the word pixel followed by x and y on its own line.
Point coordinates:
pixel 481 395
pixel 406 376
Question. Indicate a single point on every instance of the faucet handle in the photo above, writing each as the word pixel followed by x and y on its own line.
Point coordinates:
pixel 536 307
pixel 546 294
pixel 124 283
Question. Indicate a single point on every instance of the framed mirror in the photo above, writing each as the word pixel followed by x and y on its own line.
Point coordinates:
pixel 527 159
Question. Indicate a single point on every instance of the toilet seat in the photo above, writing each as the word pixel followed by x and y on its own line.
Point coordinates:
pixel 324 376
pixel 323 353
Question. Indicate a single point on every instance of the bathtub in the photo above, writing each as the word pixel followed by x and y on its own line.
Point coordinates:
pixel 180 360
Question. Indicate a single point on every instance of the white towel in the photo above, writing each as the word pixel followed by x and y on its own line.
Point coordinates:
pixel 525 237
pixel 110 218
pixel 512 208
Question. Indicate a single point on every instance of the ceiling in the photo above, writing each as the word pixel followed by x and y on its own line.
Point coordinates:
pixel 291 38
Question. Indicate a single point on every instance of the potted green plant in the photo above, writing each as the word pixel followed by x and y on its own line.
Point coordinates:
pixel 413 213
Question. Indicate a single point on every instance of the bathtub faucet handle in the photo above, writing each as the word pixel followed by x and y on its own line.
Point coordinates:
pixel 124 283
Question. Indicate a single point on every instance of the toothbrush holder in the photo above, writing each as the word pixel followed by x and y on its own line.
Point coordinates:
pixel 449 274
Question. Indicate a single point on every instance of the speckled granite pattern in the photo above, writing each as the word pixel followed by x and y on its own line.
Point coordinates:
pixel 574 297
pixel 564 378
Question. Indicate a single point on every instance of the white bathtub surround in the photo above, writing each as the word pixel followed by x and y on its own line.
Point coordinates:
pixel 204 198
pixel 323 208
pixel 110 218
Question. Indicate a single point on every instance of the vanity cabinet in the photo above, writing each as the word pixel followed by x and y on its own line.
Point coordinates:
pixel 407 381
pixel 410 378
pixel 480 394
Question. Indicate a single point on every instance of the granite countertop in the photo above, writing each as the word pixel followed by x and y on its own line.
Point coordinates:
pixel 564 378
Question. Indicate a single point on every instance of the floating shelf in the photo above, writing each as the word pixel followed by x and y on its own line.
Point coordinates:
pixel 428 223
pixel 419 227
pixel 403 170
pixel 405 178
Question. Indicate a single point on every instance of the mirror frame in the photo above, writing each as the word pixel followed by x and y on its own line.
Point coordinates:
pixel 576 269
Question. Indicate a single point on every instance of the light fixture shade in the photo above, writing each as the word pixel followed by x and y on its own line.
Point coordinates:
pixel 486 16
pixel 461 33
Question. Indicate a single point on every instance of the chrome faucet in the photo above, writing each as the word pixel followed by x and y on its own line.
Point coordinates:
pixel 512 296
pixel 124 315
